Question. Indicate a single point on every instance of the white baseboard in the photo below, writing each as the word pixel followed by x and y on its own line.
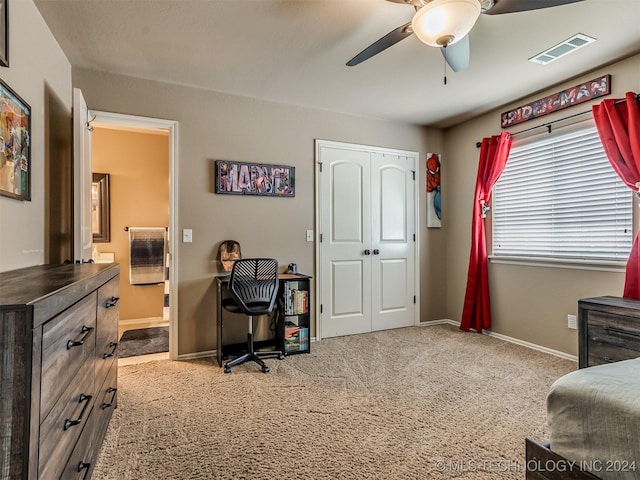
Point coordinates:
pixel 209 353
pixel 195 355
pixel 438 322
pixel 506 338
pixel 533 346
pixel 135 321
pixel 143 359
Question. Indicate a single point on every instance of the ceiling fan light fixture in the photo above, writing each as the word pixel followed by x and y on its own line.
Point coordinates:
pixel 444 22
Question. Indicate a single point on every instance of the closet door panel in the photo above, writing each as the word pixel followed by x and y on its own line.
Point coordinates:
pixel 345 267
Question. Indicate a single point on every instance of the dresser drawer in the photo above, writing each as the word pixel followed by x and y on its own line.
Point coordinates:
pixel 82 460
pixel 61 428
pixel 83 457
pixel 68 341
pixel 106 402
pixel 107 327
pixel 601 353
pixel 614 330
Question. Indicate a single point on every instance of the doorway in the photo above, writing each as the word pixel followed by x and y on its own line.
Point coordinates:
pixel 144 182
pixel 367 220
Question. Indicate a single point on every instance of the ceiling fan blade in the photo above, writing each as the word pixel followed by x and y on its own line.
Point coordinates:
pixel 390 39
pixel 513 6
pixel 457 55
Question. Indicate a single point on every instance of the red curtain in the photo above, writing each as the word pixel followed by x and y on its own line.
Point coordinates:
pixel 618 123
pixel 476 312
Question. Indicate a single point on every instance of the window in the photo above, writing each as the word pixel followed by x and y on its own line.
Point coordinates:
pixel 559 198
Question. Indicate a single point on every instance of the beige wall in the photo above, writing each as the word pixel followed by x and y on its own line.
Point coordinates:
pixel 529 303
pixel 214 126
pixel 36 65
pixel 138 166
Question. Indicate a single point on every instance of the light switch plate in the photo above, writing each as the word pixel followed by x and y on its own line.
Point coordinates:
pixel 187 235
pixel 309 235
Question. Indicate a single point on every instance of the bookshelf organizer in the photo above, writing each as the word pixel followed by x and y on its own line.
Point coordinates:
pixel 294 310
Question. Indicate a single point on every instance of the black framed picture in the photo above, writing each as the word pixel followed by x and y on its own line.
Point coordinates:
pixel 4 33
pixel 15 145
pixel 100 208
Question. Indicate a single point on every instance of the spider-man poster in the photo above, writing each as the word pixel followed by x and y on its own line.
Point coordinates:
pixel 434 193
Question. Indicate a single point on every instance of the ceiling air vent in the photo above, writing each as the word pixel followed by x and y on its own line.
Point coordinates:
pixel 563 48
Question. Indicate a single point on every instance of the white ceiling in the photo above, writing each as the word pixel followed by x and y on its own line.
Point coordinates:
pixel 294 51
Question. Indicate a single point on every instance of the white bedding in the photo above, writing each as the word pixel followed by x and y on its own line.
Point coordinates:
pixel 594 417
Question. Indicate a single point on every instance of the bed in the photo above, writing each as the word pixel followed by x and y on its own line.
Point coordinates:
pixel 594 417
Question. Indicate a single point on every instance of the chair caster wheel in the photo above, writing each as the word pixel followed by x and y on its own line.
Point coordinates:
pixel 265 369
pixel 227 369
pixel 281 356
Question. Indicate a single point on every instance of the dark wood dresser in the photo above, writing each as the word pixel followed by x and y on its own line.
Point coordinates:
pixel 58 368
pixel 608 330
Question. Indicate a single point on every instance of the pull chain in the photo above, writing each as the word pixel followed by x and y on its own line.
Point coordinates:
pixel 445 65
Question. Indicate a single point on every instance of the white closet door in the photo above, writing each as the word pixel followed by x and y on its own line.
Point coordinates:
pixel 367 252
pixel 345 270
pixel 392 246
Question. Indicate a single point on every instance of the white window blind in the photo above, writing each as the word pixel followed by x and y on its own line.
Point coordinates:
pixel 559 197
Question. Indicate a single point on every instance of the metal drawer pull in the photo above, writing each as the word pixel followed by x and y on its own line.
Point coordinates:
pixel 111 302
pixel 113 352
pixel 76 343
pixel 70 423
pixel 621 331
pixel 84 466
pixel 113 398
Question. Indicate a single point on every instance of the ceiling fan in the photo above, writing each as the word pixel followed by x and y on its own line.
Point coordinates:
pixel 447 23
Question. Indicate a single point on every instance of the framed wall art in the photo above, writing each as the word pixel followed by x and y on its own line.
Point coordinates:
pixel 434 191
pixel 241 178
pixel 15 145
pixel 100 214
pixel 4 33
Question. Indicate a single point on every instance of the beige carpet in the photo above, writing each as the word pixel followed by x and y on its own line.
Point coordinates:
pixel 413 403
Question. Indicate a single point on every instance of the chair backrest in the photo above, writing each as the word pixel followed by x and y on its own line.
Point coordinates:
pixel 228 252
pixel 254 284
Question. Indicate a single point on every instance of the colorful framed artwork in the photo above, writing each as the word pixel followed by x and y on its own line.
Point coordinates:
pixel 434 191
pixel 15 145
pixel 4 33
pixel 241 178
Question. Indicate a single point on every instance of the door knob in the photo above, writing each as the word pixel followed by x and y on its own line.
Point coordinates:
pixel 367 252
pixel 376 252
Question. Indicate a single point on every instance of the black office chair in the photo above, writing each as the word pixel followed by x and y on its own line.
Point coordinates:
pixel 253 286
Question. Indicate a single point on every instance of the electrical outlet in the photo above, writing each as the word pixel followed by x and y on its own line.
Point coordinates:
pixel 572 322
pixel 309 235
pixel 187 235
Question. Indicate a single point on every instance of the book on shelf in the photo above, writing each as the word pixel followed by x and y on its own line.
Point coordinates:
pixel 291 337
pixel 304 339
pixel 296 301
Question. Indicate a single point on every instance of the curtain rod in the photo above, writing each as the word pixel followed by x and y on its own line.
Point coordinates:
pixel 548 124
